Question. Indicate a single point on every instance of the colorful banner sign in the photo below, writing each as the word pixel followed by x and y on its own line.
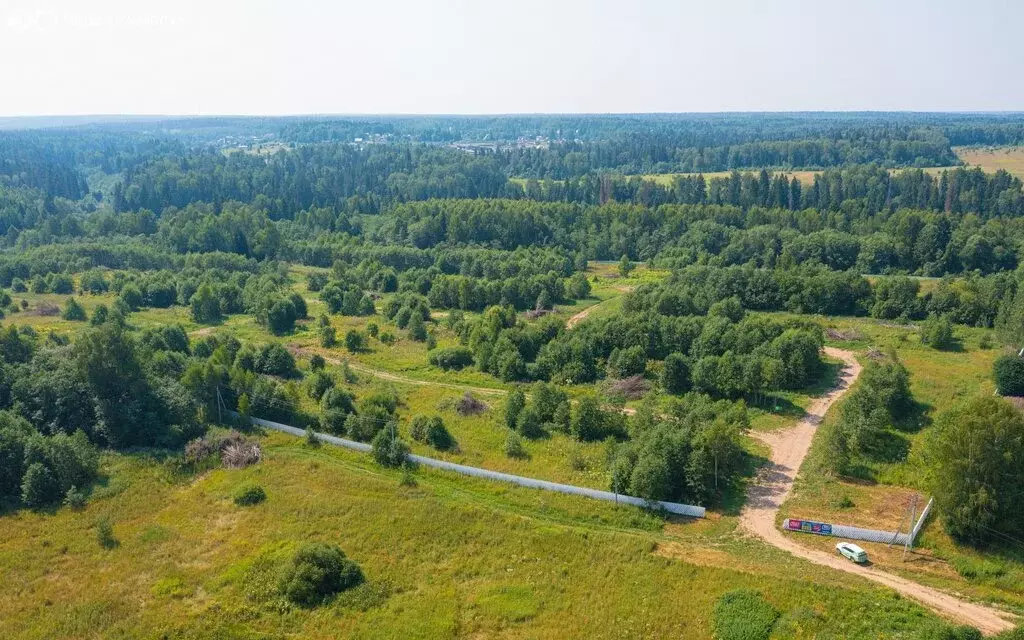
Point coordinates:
pixel 809 526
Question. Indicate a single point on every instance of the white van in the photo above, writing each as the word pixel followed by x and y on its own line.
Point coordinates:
pixel 852 552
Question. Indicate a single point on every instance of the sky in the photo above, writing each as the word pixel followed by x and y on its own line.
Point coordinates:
pixel 206 57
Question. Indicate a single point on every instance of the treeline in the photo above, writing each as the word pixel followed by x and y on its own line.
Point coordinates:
pixel 637 154
pixel 863 190
pixel 340 176
pixel 908 241
pixel 976 300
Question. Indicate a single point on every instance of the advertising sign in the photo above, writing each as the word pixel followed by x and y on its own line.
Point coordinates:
pixel 809 526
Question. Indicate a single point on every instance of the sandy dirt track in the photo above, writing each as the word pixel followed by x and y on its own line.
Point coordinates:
pixel 774 483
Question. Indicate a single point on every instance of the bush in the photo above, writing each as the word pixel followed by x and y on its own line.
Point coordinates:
pixel 39 487
pixel 469 405
pixel 937 332
pixel 75 498
pixel 431 431
pixel 451 358
pixel 311 438
pixel 529 425
pixel 355 341
pixel 388 449
pixel 73 311
pixel 514 447
pixel 744 615
pixel 317 572
pixel 318 384
pixel 514 404
pixel 579 286
pixel 1008 372
pixel 417 328
pixel 105 533
pixel 249 495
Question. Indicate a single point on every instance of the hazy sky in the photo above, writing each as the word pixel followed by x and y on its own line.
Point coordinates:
pixel 504 56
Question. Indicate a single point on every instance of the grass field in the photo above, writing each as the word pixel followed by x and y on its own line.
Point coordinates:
pixel 991 159
pixel 450 557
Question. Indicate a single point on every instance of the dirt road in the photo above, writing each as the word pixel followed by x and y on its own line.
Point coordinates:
pixel 582 315
pixel 774 483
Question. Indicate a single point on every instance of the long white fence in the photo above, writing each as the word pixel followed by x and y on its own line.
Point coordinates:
pixel 857 533
pixel 671 507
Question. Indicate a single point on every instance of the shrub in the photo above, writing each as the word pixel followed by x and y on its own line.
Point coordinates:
pixel 311 438
pixel 75 498
pixel 514 404
pixel 387 338
pixel 431 431
pixel 388 449
pixel 316 280
pixel 73 311
pixel 317 572
pixel 744 615
pixel 417 328
pixel 355 341
pixel 333 421
pixel 579 286
pixel 201 448
pixel 469 405
pixel 318 384
pixel 39 487
pixel 514 447
pixel 274 360
pixel 1008 372
pixel 105 533
pixel 528 424
pixel 937 332
pixel 249 495
pixel 451 358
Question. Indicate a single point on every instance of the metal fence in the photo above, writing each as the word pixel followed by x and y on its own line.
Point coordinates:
pixel 671 507
pixel 857 533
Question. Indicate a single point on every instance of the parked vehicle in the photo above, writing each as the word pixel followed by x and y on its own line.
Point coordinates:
pixel 852 552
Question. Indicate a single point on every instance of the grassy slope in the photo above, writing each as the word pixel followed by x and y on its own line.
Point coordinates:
pixel 451 557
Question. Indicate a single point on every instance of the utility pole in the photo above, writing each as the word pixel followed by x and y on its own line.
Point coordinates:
pixel 910 530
